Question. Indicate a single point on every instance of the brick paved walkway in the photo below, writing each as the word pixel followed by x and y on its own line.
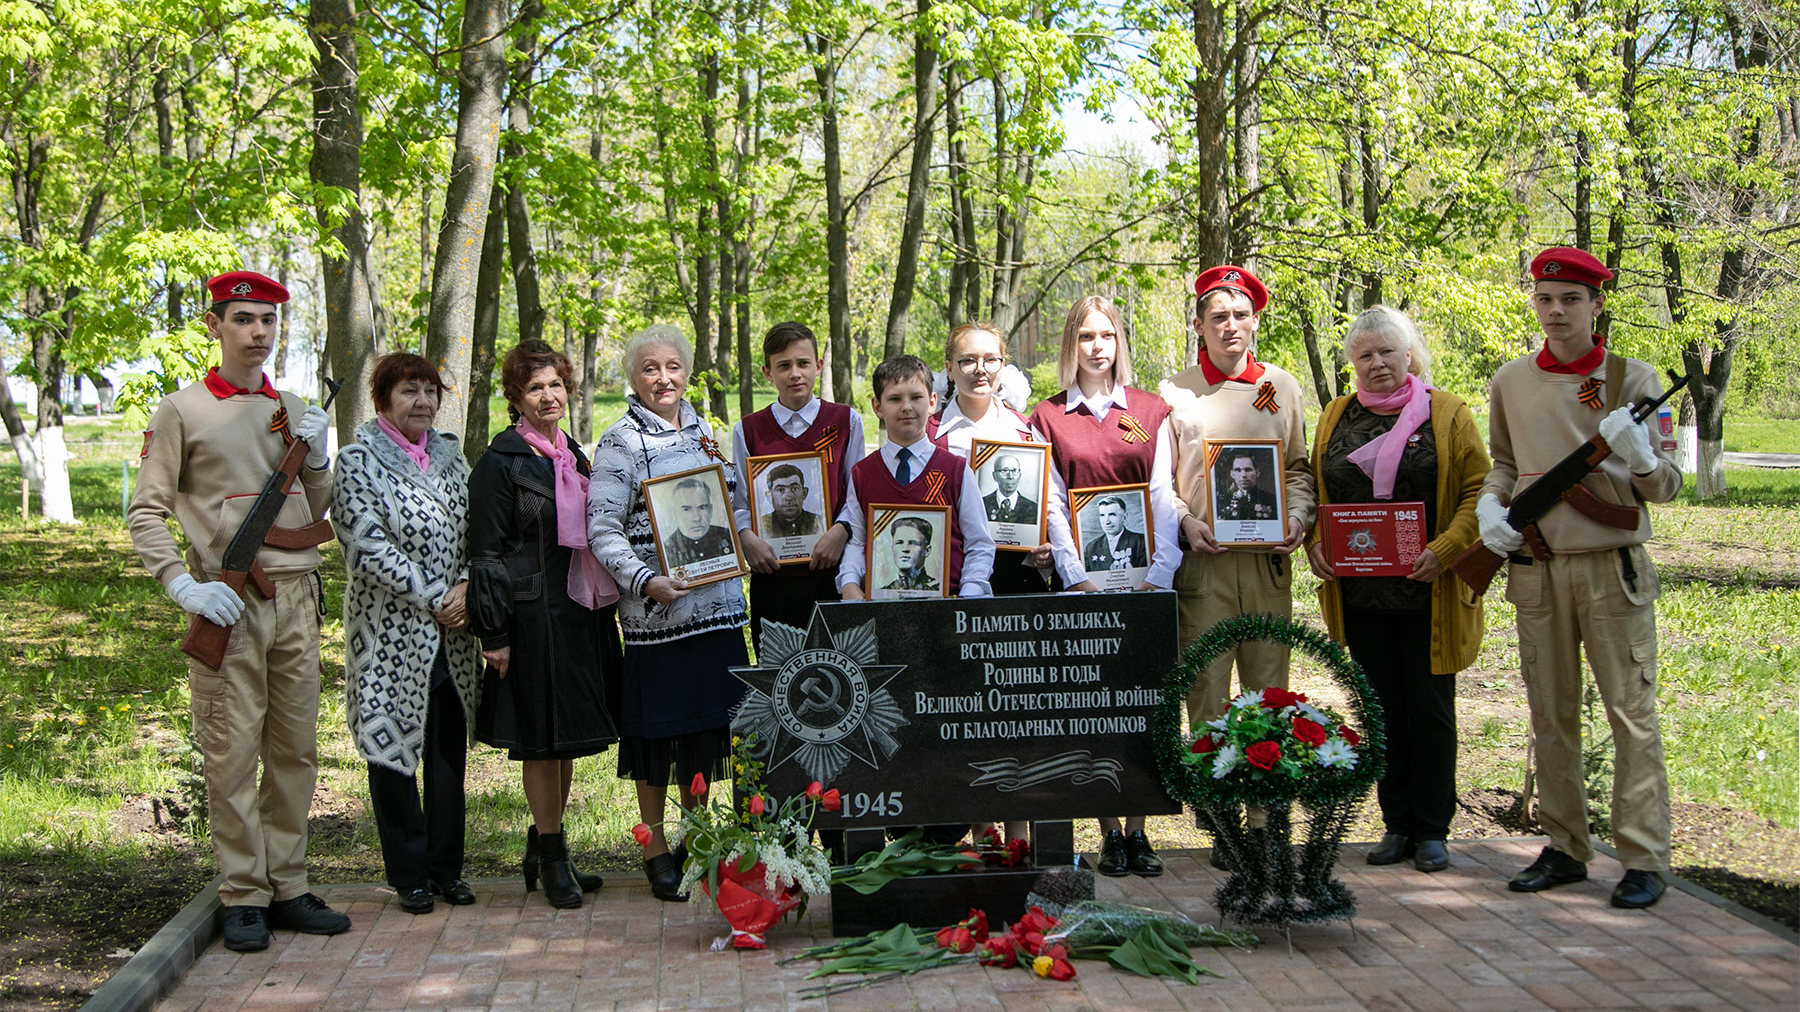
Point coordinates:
pixel 1454 940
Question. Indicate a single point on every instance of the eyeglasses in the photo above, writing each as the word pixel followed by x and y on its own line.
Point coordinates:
pixel 972 364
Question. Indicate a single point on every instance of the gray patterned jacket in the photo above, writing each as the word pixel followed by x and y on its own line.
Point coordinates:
pixel 404 536
pixel 638 446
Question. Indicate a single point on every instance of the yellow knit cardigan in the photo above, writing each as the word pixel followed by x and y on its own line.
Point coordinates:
pixel 1462 466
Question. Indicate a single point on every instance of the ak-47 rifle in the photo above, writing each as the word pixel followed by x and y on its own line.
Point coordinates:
pixel 1561 483
pixel 206 640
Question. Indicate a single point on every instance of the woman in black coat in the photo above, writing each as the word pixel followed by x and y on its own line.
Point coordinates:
pixel 544 609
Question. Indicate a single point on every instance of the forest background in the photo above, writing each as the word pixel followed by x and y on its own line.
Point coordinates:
pixel 451 177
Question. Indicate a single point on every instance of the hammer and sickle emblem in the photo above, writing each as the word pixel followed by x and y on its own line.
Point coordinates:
pixel 814 689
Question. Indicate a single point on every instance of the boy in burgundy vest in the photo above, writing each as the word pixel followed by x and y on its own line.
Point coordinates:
pixel 897 474
pixel 797 422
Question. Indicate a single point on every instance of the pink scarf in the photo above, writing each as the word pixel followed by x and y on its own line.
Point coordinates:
pixel 1379 458
pixel 417 451
pixel 590 585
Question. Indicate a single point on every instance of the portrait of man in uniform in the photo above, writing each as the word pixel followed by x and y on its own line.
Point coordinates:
pixel 908 553
pixel 1111 526
pixel 1246 494
pixel 788 516
pixel 694 548
pixel 1242 496
pixel 1117 547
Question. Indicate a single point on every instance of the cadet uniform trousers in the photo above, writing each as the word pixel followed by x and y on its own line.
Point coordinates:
pixel 1213 588
pixel 264 698
pixel 1566 603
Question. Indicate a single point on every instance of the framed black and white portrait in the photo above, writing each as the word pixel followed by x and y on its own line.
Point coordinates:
pixel 1014 479
pixel 1113 534
pixel 1246 495
pixel 908 551
pixel 790 503
pixel 690 517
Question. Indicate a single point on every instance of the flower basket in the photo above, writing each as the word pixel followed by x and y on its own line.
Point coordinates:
pixel 749 904
pixel 1251 807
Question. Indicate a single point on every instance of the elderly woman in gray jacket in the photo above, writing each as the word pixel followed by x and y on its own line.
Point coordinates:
pixel 401 506
pixel 680 641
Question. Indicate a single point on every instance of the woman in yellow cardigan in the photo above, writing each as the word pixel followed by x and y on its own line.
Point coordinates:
pixel 1397 439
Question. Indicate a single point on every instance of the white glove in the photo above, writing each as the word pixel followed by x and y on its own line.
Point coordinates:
pixel 1629 440
pixel 1496 533
pixel 214 602
pixel 312 429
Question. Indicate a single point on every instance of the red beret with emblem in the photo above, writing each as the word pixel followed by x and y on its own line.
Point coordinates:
pixel 1235 279
pixel 1565 263
pixel 247 285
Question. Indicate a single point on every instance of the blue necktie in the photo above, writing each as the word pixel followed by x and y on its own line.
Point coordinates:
pixel 905 465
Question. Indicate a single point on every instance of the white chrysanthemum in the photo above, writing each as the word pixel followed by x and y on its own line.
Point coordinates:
pixel 1247 700
pixel 1226 758
pixel 1217 723
pixel 1314 714
pixel 1336 752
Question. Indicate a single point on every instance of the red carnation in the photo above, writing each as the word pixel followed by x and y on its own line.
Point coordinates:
pixel 831 801
pixel 1349 734
pixel 1204 744
pixel 1310 732
pixel 977 923
pixel 641 833
pixel 1000 950
pixel 1263 755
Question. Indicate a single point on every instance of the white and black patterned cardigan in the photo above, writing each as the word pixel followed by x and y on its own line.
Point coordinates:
pixel 404 534
pixel 638 446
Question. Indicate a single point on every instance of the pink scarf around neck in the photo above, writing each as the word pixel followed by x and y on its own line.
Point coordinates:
pixel 1379 458
pixel 417 451
pixel 590 585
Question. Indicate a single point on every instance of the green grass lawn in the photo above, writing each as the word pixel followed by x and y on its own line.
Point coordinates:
pixel 1762 435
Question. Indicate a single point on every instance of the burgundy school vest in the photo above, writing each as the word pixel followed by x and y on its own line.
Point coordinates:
pixel 829 432
pixel 875 485
pixel 1092 452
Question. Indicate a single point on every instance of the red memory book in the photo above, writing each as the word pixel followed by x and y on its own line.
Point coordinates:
pixel 1373 539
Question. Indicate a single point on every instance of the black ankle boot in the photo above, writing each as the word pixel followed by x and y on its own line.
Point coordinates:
pixel 553 866
pixel 665 879
pixel 588 883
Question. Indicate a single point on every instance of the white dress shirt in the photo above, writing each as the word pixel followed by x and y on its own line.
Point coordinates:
pixel 971 519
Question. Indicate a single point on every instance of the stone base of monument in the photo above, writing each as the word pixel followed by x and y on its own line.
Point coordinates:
pixel 932 901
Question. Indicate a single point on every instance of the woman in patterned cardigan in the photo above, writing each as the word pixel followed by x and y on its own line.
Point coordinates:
pixel 680 641
pixel 402 509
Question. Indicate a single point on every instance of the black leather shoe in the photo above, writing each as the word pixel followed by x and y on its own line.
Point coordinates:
pixel 588 883
pixel 1113 862
pixel 1142 857
pixel 1431 855
pixel 665 879
pixel 417 901
pixel 553 866
pixel 1393 849
pixel 1638 889
pixel 246 929
pixel 1552 868
pixel 455 892
pixel 308 915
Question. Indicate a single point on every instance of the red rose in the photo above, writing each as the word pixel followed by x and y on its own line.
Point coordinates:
pixel 756 805
pixel 1275 697
pixel 1349 735
pixel 1204 744
pixel 698 787
pixel 1263 755
pixel 831 801
pixel 641 833
pixel 815 790
pixel 1310 732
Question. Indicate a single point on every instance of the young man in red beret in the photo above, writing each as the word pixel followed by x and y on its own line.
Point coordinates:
pixel 1595 592
pixel 1229 395
pixel 209 450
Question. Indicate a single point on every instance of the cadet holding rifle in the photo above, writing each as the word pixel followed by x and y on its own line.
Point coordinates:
pixel 1585 583
pixel 210 450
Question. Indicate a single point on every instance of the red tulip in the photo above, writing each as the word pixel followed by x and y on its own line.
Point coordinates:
pixel 1036 920
pixel 756 804
pixel 956 938
pixel 1263 755
pixel 1204 744
pixel 831 801
pixel 1054 965
pixel 641 833
pixel 698 787
pixel 1309 732
pixel 815 790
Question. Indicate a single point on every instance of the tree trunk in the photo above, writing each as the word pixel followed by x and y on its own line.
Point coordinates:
pixel 1212 106
pixel 487 326
pixel 47 361
pixel 29 465
pixel 1309 333
pixel 518 213
pixel 965 272
pixel 1246 225
pixel 918 182
pixel 283 325
pixel 837 238
pixel 481 81
pixel 1371 202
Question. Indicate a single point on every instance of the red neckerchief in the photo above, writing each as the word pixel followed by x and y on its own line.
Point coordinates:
pixel 1580 367
pixel 221 388
pixel 1252 371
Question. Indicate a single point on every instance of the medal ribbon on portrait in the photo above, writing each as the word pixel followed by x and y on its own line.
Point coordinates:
pixel 1265 398
pixel 1134 429
pixel 1589 392
pixel 934 488
pixel 823 443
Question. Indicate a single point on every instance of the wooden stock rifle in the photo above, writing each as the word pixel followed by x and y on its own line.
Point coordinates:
pixel 1562 483
pixel 206 640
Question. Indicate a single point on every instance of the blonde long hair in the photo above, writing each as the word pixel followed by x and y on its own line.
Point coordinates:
pixel 1067 366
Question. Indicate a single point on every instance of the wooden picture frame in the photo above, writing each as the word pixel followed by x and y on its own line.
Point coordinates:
pixel 771 483
pixel 1030 476
pixel 1246 506
pixel 1114 559
pixel 690 544
pixel 899 534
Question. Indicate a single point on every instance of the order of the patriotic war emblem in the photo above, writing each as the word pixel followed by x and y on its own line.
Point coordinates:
pixel 819 698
